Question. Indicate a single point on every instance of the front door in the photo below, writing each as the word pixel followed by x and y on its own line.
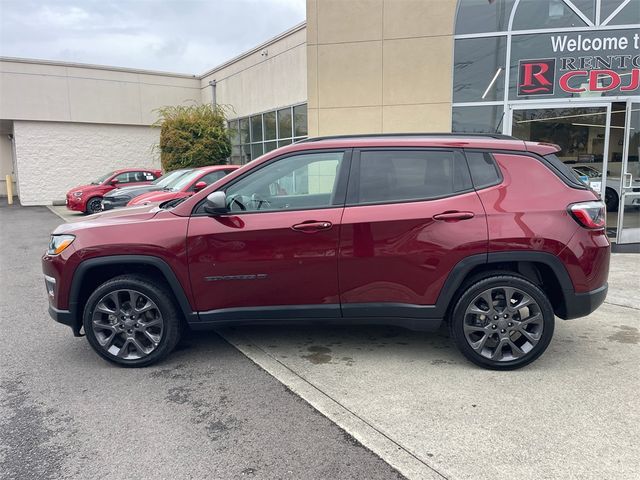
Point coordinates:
pixel 629 210
pixel 274 255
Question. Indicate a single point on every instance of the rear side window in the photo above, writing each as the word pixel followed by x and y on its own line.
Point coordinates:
pixel 484 170
pixel 210 178
pixel 409 175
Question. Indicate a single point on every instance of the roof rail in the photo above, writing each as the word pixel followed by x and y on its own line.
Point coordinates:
pixel 497 136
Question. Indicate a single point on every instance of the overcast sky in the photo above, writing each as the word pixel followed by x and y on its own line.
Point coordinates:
pixel 185 36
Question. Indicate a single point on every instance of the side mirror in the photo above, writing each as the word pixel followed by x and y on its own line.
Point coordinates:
pixel 199 186
pixel 216 203
pixel 114 181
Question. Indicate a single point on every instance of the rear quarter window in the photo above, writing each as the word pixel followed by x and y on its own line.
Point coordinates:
pixel 484 171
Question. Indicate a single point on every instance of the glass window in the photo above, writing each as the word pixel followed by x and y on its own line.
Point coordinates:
pixel 209 178
pixel 629 15
pixel 484 170
pixel 268 146
pixel 284 123
pixel 282 143
pixel 245 153
pixel 270 126
pixel 477 16
pixel 256 128
pixel 298 182
pixel 480 119
pixel 244 130
pixel 300 121
pixel 392 176
pixel 479 69
pixel 256 150
pixel 131 177
pixel 536 14
pixel 234 133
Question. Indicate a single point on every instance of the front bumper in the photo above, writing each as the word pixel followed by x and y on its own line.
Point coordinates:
pixel 74 203
pixel 578 305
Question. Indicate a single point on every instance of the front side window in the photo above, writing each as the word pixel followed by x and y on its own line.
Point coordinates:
pixel 396 176
pixel 299 182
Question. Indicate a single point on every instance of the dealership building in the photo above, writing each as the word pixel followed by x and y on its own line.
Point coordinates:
pixel 560 71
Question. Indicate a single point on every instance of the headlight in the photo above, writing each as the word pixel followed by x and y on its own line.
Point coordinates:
pixel 59 243
pixel 77 194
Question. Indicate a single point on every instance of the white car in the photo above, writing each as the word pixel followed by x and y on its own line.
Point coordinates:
pixel 612 190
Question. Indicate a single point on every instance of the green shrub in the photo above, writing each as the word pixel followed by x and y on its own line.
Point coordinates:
pixel 193 136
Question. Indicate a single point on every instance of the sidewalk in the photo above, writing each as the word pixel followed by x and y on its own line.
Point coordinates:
pixel 413 399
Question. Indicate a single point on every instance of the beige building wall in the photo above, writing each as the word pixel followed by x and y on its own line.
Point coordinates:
pixel 6 161
pixel 61 92
pixel 270 76
pixel 378 66
pixel 52 157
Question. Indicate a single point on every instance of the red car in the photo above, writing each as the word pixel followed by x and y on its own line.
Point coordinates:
pixel 189 184
pixel 88 198
pixel 408 230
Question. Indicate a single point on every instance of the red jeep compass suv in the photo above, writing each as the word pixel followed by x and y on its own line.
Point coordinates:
pixel 491 234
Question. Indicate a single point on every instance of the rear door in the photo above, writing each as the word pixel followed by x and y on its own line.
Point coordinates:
pixel 410 216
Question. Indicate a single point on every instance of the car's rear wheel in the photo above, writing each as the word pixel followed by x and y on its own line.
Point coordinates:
pixel 94 205
pixel 611 199
pixel 132 322
pixel 502 322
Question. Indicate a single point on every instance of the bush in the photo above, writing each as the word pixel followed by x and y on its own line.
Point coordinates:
pixel 193 136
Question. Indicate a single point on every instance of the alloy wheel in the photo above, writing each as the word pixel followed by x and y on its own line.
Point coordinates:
pixel 503 324
pixel 127 324
pixel 94 206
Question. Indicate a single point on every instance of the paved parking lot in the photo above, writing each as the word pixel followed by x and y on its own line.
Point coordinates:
pixel 409 397
pixel 207 412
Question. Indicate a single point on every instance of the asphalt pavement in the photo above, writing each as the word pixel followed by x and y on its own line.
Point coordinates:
pixel 206 412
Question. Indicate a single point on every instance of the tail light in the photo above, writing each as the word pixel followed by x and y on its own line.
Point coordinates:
pixel 589 214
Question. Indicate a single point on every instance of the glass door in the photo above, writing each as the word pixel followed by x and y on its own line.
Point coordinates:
pixel 629 185
pixel 583 133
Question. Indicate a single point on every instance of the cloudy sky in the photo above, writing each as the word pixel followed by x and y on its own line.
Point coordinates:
pixel 187 36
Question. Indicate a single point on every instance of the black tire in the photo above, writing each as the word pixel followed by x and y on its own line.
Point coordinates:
pixel 94 205
pixel 469 298
pixel 611 199
pixel 170 319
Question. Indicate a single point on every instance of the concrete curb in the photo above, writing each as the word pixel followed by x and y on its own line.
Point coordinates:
pixel 406 462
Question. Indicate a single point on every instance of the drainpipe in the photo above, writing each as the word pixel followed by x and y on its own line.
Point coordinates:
pixel 214 102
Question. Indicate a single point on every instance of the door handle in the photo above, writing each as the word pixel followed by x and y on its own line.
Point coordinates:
pixel 312 226
pixel 453 216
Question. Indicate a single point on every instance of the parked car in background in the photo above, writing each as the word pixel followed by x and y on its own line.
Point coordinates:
pixel 120 196
pixel 186 185
pixel 612 189
pixel 408 230
pixel 88 198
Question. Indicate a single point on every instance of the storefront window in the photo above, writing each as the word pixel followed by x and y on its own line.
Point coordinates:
pixel 262 133
pixel 629 15
pixel 538 14
pixel 478 16
pixel 480 119
pixel 479 69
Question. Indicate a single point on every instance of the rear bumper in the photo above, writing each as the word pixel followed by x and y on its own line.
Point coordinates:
pixel 109 204
pixel 578 305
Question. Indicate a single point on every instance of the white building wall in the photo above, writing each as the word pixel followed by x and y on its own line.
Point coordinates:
pixel 53 157
pixel 6 163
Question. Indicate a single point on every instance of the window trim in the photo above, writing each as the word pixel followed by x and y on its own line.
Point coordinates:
pixel 354 176
pixel 338 197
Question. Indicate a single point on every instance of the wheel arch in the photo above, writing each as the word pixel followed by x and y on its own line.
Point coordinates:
pixel 93 272
pixel 541 268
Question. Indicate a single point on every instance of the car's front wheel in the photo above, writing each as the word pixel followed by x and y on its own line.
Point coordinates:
pixel 94 205
pixel 502 322
pixel 131 321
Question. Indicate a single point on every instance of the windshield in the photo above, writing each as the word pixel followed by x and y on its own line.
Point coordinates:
pixel 588 171
pixel 102 178
pixel 185 180
pixel 169 178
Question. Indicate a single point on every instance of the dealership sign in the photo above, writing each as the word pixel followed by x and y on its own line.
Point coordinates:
pixel 583 64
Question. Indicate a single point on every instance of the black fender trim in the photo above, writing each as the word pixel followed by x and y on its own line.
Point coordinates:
pixel 83 268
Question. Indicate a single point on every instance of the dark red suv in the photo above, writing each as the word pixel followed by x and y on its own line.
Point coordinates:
pixel 491 234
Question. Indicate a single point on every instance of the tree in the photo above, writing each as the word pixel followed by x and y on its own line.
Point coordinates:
pixel 193 136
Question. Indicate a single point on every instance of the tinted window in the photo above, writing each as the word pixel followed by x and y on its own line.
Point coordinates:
pixel 131 177
pixel 298 182
pixel 484 170
pixel 391 176
pixel 209 178
pixel 483 16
